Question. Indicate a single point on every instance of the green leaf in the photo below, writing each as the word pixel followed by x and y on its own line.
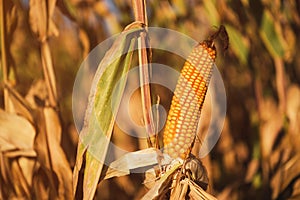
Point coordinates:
pixel 108 84
pixel 238 44
pixel 212 12
pixel 180 7
pixel 271 36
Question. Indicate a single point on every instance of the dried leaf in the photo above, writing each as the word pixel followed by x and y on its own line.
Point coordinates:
pixel 19 182
pixel 15 142
pixel 197 192
pixel 51 155
pixel 194 171
pixel 18 104
pixel 284 179
pixel 37 94
pixel 49 73
pixel 252 170
pixel 162 183
pixel 179 190
pixel 293 108
pixel 296 190
pixel 16 138
pixel 28 166
pixel 133 160
pixel 40 18
pixel 272 122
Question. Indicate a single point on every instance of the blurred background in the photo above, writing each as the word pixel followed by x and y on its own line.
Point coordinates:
pixel 43 45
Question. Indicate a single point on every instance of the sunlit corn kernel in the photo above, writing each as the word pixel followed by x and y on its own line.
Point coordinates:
pixel 181 143
pixel 182 151
pixel 177 147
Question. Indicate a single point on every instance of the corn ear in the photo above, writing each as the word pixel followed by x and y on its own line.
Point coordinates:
pixel 187 102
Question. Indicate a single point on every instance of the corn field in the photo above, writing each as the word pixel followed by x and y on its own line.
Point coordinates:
pixel 49 148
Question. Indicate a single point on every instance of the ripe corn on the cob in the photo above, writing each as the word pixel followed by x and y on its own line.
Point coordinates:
pixel 187 102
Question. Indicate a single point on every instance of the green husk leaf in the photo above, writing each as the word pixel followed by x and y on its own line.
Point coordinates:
pixel 99 119
pixel 212 12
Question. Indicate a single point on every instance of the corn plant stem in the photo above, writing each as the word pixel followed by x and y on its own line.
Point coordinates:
pixel 280 83
pixel 19 98
pixel 3 55
pixel 157 123
pixel 139 7
pixel 258 95
pixel 145 89
pixel 49 158
pixel 49 73
pixel 4 175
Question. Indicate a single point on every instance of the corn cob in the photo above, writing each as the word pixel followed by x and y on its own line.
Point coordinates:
pixel 181 126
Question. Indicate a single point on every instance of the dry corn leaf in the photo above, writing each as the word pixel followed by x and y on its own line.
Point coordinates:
pixel 14 183
pixel 18 104
pixel 49 73
pixel 16 134
pixel 41 23
pixel 272 122
pixel 226 193
pixel 134 160
pixel 179 189
pixel 20 184
pixel 28 166
pixel 283 181
pixel 9 21
pixel 158 190
pixel 293 108
pixel 197 192
pixel 296 190
pixel 16 142
pixel 192 171
pixel 37 94
pixel 40 188
pixel 252 170
pixel 40 18
pixel 51 155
